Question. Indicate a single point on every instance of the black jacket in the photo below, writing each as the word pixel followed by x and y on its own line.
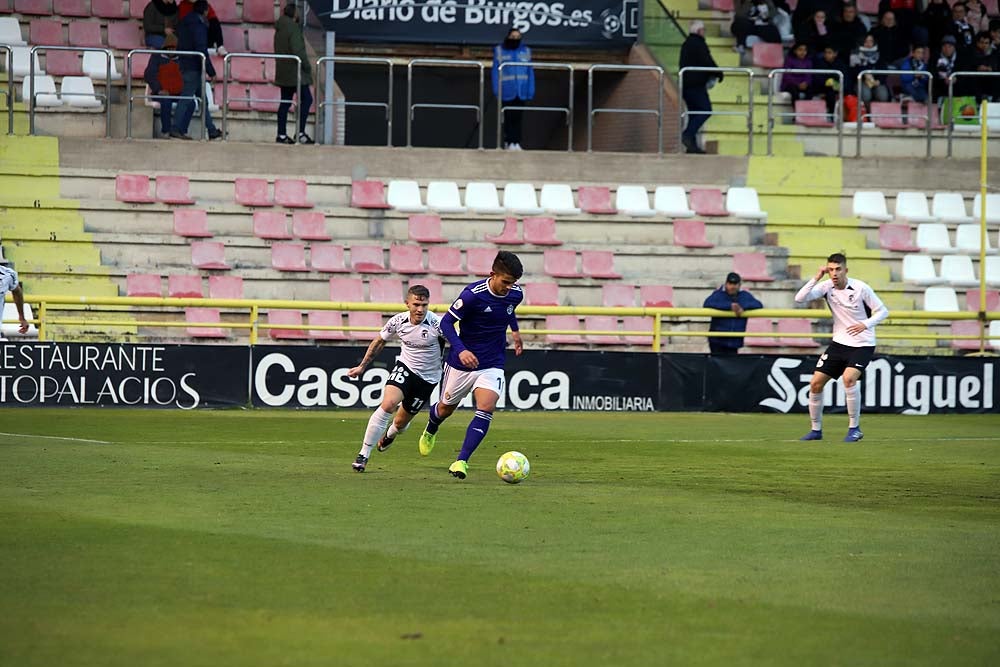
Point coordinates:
pixel 192 35
pixel 695 53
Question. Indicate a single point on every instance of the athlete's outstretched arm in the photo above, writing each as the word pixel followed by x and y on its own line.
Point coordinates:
pixel 374 348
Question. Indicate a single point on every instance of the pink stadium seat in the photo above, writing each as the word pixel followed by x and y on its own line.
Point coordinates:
pixel 184 287
pixel 972 300
pixel 291 193
pixel 656 296
pixel 618 295
pixel 595 199
pixel 133 189
pixel 264 97
pixel 63 63
pixel 917 116
pixel 361 318
pixel 85 33
pixel 260 40
pixel 124 35
pixel 234 38
pixel 560 264
pixel 760 325
pixel 225 287
pixel 869 7
pixel 385 290
pixel 136 8
pixel 108 9
pixel 258 11
pixel 328 258
pixel 896 236
pixel 798 326
pixel 290 317
pixel 406 259
pixel 368 259
pixel 966 328
pixel 271 225
pixel 269 70
pixel 691 234
pixel 234 96
pixel 540 231
pixel 347 290
pixel 509 235
pixel 479 261
pixel 707 201
pixel 812 113
pixel 309 225
pixel 445 260
pixel 46 32
pixel 635 323
pixel 887 115
pixel 425 228
pixel 37 7
pixel 571 322
pixel 224 9
pixel 326 318
pixel 208 255
pixel 602 323
pixel 723 5
pixel 192 223
pixel 71 8
pixel 143 284
pixel 752 266
pixel 598 264
pixel 288 257
pixel 248 70
pixel 6 6
pixel 368 194
pixel 204 315
pixel 138 65
pixel 433 285
pixel 173 190
pixel 770 56
pixel 992 7
pixel 541 294
pixel 252 192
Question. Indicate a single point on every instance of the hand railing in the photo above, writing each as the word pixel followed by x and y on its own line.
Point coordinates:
pixel 748 114
pixel 130 97
pixel 896 72
pixel 441 62
pixel 838 116
pixel 566 110
pixel 321 64
pixel 250 99
pixel 592 111
pixel 109 62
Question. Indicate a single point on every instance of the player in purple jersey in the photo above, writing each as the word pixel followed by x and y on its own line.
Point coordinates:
pixel 476 358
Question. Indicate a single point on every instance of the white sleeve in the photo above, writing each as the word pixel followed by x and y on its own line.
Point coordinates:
pixel 391 329
pixel 879 311
pixel 811 290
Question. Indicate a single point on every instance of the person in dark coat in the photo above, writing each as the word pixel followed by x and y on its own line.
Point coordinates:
pixel 192 35
pixel 158 85
pixel 695 53
pixel 158 20
pixel 848 31
pixel 289 41
pixel 729 297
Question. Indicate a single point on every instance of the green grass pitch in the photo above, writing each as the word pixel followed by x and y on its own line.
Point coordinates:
pixel 244 538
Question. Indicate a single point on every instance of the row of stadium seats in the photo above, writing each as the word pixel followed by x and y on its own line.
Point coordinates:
pixel 256 192
pixel 956 270
pixel 945 299
pixel 934 237
pixel 913 207
pixel 228 11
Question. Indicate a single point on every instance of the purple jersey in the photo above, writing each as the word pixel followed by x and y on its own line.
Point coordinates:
pixel 484 318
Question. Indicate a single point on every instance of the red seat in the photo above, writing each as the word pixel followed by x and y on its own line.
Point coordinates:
pixel 760 325
pixel 368 194
pixel 425 228
pixel 509 235
pixel 445 261
pixel 972 300
pixel 235 39
pixel 540 231
pixel 288 257
pixel 289 317
pixel 916 115
pixel 225 10
pixel 479 261
pixel 385 290
pixel 208 255
pixel 143 284
pixel 406 259
pixel 184 287
pixel 541 294
pixel 571 322
pixel 795 326
pixel 618 295
pixel 433 285
pixel 752 266
pixel 124 35
pixel 225 287
pixel 271 225
pixel 966 328
pixel 37 7
pixel 812 113
pixel 691 234
pixel 70 8
pixel 109 9
pixel 133 189
pixel 599 264
pixel 560 264
pixel 869 7
pixel 247 70
pixel 595 199
pixel 252 192
pixel 723 6
pixel 46 32
pixel 328 258
pixel 258 11
pixel 192 223
pixel 887 115
pixel 347 290
pixel 602 323
pixel 656 296
pixel 291 193
pixel 264 97
pixel 636 323
pixel 368 259
pixel 235 97
pixel 192 315
pixel 363 318
pixel 771 56
pixel 137 65
pixel 173 190
pixel 309 225
pixel 85 33
pixel 260 40
pixel 63 63
pixel 896 236
pixel 326 318
pixel 707 201
pixel 136 8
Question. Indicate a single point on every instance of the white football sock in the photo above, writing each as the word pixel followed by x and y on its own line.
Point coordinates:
pixel 376 427
pixel 853 405
pixel 816 410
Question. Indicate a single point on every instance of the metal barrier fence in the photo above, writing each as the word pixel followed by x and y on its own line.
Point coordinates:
pixel 109 63
pixel 748 114
pixel 440 62
pixel 501 108
pixel 9 92
pixel 896 72
pixel 591 111
pixel 838 120
pixel 250 99
pixel 130 98
pixel 951 99
pixel 358 60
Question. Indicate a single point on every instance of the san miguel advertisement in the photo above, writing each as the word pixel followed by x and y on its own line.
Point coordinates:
pixel 595 24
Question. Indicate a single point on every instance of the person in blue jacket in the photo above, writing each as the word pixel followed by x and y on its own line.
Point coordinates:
pixel 729 297
pixel 518 85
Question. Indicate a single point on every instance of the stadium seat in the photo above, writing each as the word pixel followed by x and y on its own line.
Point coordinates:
pixel 479 261
pixel 234 37
pixel 109 9
pixel 37 7
pixel 541 294
pixel 95 66
pixel 560 264
pixel 309 226
pixel 520 198
pixel 887 115
pixel 22 58
pixel 271 225
pixel 124 35
pixel 671 201
pixel 258 11
pixel 46 32
pixel 10 31
pixel 136 67
pixel 509 235
pixel 896 236
pixel 252 192
pixel 656 296
pixel 957 271
pixel 994 334
pixel 992 208
pixel 143 284
pixel 225 287
pixel 691 234
pixel 941 299
pixel 385 290
pixel 870 205
pixel 723 5
pixel 433 285
pixel 78 92
pixel 77 8
pixel 950 207
pixel 743 203
pixel 264 97
pixel 191 223
pixel 173 190
pixel 633 200
pixel 347 290
pixel 362 318
pixel 326 318
pixel 404 196
pixel 45 91
pixel 289 317
pixel 636 323
pixel 225 10
pixel 133 189
pixel 912 207
pixel 769 56
pixel 967 239
pixel 707 201
pixel 916 116
pixel 602 323
pixel 540 231
pixel 443 197
pixel 204 315
pixel 972 299
pixel 557 322
pixel 63 63
pixel 445 260
pixel 368 259
pixel 185 287
pixel 795 326
pixel 932 238
pixel 557 199
pixel 868 7
pixel 752 266
pixel 618 295
pixel 234 96
pixel 760 325
pixel 481 197
pixel 328 258
pixel 85 33
pixel 425 228
pixel 260 40
pixel 919 270
pixel 812 113
pixel 288 257
pixel 965 328
pixel 599 264
pixel 406 259
pixel 247 70
pixel 595 199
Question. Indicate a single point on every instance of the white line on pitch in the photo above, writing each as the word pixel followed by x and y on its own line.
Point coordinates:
pixel 54 437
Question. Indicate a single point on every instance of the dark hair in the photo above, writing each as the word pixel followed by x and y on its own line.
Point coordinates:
pixel 508 263
pixel 290 10
pixel 983 34
pixel 419 291
pixel 837 258
pixel 201 7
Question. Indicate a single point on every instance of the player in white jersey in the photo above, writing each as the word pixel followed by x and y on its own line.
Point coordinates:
pixel 856 311
pixel 10 283
pixel 417 371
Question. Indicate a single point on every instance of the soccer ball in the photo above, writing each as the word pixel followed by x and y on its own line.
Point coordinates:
pixel 513 467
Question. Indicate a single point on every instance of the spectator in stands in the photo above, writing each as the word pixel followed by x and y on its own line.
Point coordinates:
pixel 755 18
pixel 158 20
pixel 815 32
pixel 799 86
pixel 977 16
pixel 848 31
pixel 695 53
pixel 518 84
pixel 192 35
pixel 944 66
pixel 288 40
pixel 905 15
pixel 828 85
pixel 892 44
pixel 164 76
pixel 868 57
pixel 805 10
pixel 960 28
pixel 729 297
pixel 980 59
pixel 214 26
pixel 995 35
pixel 935 20
pixel 914 86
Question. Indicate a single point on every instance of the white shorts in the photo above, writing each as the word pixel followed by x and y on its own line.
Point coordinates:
pixel 455 383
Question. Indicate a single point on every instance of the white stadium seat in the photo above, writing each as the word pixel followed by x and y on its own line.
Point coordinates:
pixel 10 32
pixel 22 62
pixel 995 331
pixel 993 271
pixel 557 198
pixel 95 65
pixel 743 203
pixel 633 200
pixel 520 198
pixel 919 270
pixel 950 207
pixel 932 237
pixel 45 91
pixel 443 197
pixel 78 92
pixel 967 240
pixel 992 208
pixel 871 206
pixel 481 197
pixel 404 196
pixel 957 271
pixel 672 201
pixel 912 207
pixel 941 300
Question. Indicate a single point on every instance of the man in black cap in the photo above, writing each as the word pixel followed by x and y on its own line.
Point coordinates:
pixel 729 297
